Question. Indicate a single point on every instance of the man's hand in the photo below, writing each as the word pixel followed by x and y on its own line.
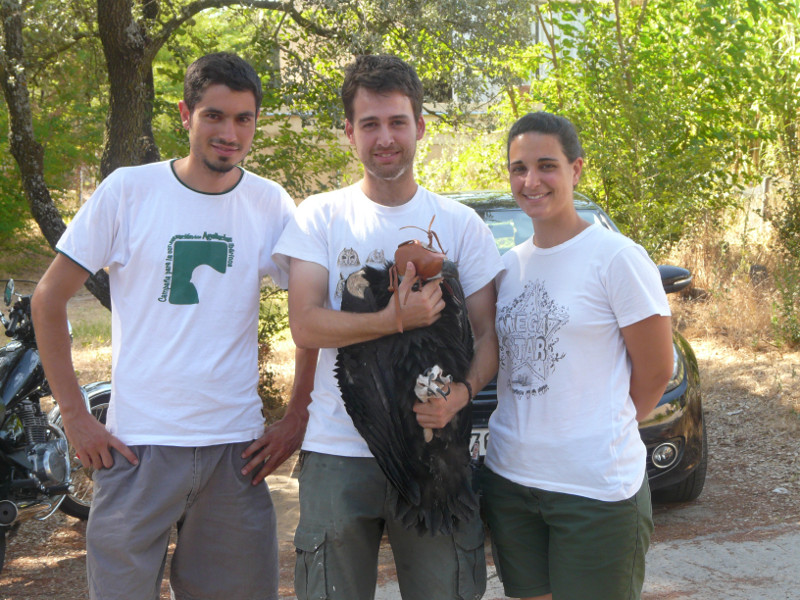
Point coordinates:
pixel 279 442
pixel 93 443
pixel 437 412
pixel 420 308
pixel 282 439
pixel 433 383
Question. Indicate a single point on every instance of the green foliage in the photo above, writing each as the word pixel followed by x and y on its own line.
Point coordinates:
pixel 472 155
pixel 273 319
pixel 305 157
pixel 776 153
pixel 13 206
pixel 89 332
pixel 66 77
pixel 677 103
pixel 786 310
pixel 462 51
pixel 459 57
pixel 469 160
pixel 786 221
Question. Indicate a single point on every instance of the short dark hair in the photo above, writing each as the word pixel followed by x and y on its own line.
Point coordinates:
pixel 223 68
pixel 381 73
pixel 549 124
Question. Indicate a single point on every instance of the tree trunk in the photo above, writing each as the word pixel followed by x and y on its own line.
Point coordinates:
pixel 129 56
pixel 28 152
pixel 129 49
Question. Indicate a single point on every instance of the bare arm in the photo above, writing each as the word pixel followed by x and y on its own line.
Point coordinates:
pixel 437 413
pixel 282 438
pixel 315 326
pixel 49 310
pixel 649 345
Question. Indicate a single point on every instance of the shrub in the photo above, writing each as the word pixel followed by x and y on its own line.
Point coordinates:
pixel 273 319
pixel 786 221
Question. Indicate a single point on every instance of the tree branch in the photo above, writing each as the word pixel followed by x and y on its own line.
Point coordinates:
pixel 621 45
pixel 193 8
pixel 26 150
pixel 66 46
pixel 550 35
pixel 640 22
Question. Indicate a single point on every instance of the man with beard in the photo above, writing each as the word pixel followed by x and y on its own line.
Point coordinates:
pixel 345 498
pixel 186 243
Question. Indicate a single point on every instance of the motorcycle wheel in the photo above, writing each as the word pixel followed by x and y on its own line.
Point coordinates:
pixel 79 501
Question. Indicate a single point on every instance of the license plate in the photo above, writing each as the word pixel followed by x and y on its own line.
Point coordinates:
pixel 480 438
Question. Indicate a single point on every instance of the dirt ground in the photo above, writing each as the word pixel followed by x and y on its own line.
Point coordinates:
pixel 752 409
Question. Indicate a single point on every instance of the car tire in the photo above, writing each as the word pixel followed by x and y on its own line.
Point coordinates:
pixel 691 487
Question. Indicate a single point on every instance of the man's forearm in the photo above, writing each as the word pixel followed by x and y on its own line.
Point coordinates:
pixel 305 366
pixel 481 309
pixel 316 327
pixel 49 315
pixel 484 362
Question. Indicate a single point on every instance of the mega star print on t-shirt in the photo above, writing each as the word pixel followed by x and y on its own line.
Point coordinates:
pixel 529 326
pixel 565 421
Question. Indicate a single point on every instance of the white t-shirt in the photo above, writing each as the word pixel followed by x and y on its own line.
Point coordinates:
pixel 565 421
pixel 345 230
pixel 185 270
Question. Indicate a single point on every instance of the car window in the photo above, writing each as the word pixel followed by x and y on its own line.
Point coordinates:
pixel 510 226
pixel 592 216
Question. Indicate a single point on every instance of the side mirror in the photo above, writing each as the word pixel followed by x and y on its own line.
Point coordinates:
pixel 674 279
pixel 9 292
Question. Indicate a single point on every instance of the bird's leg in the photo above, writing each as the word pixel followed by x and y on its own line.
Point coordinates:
pixel 430 384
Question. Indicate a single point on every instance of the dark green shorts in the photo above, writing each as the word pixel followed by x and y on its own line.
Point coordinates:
pixel 572 546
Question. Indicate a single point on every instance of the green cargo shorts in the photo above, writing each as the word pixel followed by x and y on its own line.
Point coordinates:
pixel 572 546
pixel 345 504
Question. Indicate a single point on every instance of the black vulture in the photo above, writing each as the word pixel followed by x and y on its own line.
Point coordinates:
pixel 432 479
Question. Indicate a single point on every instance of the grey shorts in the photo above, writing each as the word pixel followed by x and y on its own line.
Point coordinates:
pixel 572 546
pixel 226 547
pixel 345 503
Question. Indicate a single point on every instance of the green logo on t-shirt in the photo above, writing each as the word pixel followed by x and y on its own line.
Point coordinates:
pixel 184 254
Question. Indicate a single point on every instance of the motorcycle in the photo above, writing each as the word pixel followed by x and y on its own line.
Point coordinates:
pixel 39 471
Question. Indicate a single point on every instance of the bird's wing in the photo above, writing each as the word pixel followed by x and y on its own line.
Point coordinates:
pixel 369 386
pixel 377 378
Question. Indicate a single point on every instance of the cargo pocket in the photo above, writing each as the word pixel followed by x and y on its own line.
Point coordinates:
pixel 471 560
pixel 309 569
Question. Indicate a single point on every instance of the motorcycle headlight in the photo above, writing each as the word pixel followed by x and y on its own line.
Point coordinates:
pixel 678 369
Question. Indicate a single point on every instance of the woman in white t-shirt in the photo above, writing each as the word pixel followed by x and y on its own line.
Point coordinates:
pixel 585 352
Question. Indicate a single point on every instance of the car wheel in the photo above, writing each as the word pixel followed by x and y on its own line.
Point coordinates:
pixel 690 488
